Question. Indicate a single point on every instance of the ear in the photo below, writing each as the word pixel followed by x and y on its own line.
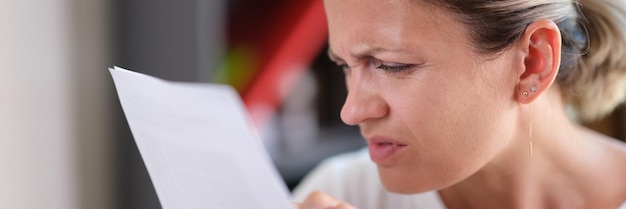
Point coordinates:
pixel 540 45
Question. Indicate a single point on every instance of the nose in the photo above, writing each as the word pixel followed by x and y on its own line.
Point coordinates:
pixel 364 101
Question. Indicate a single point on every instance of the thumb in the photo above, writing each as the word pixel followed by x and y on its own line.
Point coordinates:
pixel 319 200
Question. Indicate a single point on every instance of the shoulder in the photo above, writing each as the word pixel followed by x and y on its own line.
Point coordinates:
pixel 616 157
pixel 622 150
pixel 618 150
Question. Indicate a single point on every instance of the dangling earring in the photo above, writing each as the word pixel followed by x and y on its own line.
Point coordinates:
pixel 530 123
pixel 530 132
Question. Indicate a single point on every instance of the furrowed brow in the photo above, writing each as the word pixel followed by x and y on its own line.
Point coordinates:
pixel 362 52
pixel 333 56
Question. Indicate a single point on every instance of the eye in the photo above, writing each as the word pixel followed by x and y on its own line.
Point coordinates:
pixel 395 68
pixel 343 66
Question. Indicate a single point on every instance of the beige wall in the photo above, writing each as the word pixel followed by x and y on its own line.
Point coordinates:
pixel 36 118
pixel 54 138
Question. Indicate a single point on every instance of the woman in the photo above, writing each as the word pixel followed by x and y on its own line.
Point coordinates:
pixel 479 100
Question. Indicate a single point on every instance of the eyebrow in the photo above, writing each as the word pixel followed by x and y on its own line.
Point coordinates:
pixel 333 57
pixel 363 52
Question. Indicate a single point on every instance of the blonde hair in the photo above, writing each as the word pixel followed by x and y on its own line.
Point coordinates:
pixel 592 74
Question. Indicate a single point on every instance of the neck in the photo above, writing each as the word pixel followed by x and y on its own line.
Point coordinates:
pixel 550 178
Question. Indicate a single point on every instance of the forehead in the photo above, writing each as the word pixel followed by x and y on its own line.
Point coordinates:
pixel 358 25
pixel 366 15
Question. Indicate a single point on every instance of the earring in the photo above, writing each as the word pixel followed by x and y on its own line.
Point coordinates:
pixel 530 123
pixel 530 140
pixel 530 131
pixel 532 89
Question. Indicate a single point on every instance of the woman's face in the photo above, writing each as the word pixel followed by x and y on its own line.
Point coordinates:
pixel 432 111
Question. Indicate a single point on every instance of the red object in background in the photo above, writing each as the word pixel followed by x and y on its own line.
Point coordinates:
pixel 287 58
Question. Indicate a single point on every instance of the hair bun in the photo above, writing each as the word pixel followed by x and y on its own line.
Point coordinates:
pixel 599 84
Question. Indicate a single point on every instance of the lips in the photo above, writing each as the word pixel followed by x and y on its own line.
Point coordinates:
pixel 383 150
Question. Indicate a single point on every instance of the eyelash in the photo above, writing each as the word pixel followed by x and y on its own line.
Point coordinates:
pixel 395 69
pixel 343 67
pixel 387 68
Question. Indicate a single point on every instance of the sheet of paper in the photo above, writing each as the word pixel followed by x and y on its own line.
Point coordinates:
pixel 198 145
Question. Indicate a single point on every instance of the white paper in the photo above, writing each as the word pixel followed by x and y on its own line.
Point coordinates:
pixel 198 145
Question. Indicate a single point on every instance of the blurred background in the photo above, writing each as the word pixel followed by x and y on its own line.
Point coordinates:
pixel 64 142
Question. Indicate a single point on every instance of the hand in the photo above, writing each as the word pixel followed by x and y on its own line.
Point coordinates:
pixel 319 200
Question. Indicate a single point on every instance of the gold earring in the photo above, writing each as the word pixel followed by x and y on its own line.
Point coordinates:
pixel 532 89
pixel 530 141
pixel 530 132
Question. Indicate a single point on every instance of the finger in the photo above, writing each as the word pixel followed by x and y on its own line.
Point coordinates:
pixel 344 205
pixel 297 205
pixel 319 200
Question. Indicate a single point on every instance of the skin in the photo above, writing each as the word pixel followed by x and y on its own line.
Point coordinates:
pixel 413 77
pixel 432 106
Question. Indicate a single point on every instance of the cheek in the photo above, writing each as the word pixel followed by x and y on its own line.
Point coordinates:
pixel 456 129
pixel 471 108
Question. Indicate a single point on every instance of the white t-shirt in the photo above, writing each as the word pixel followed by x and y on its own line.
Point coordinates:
pixel 353 178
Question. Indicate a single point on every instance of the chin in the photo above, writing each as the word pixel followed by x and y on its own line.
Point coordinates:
pixel 403 189
pixel 402 183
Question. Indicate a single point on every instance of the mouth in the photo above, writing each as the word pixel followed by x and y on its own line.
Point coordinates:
pixel 382 150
